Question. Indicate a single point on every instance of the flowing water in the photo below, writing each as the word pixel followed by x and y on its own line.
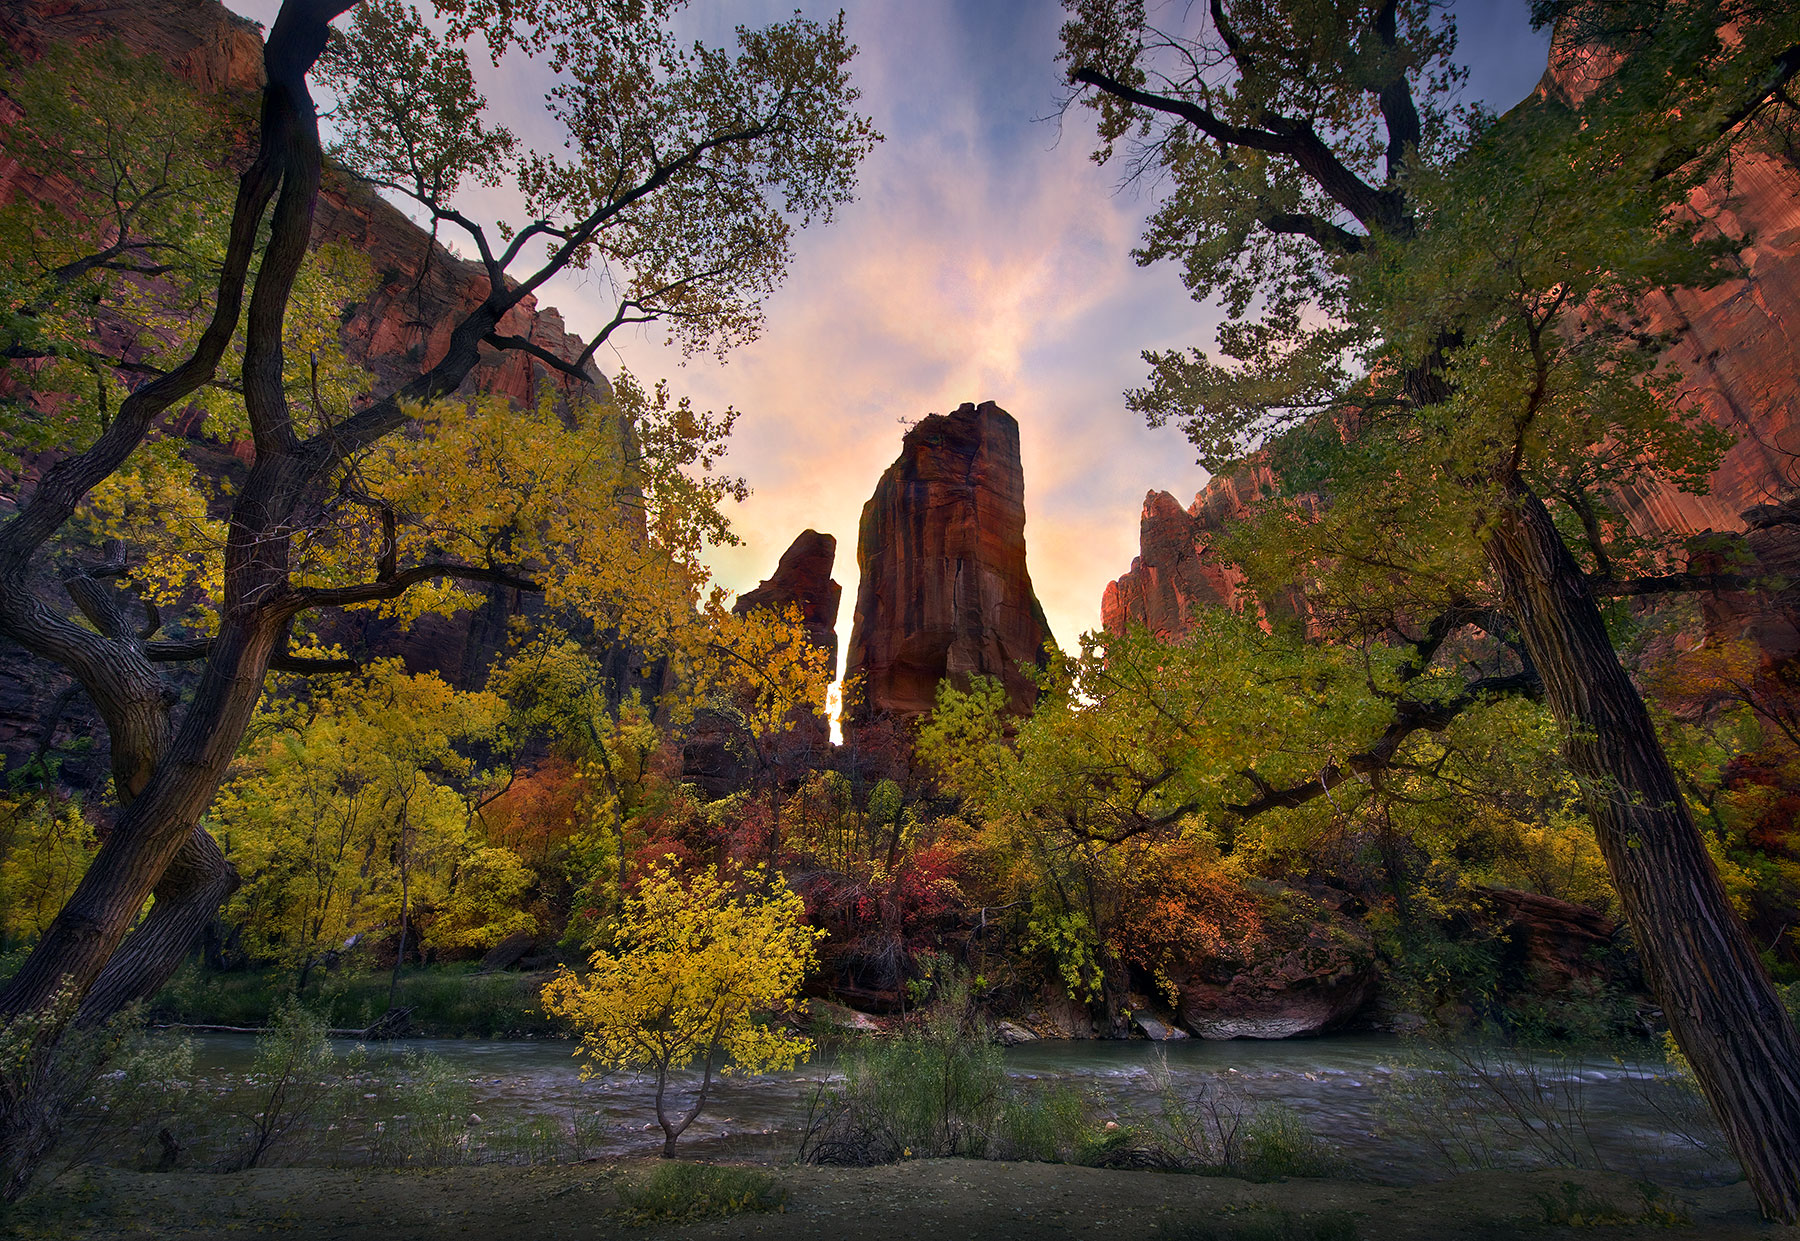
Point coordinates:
pixel 1390 1110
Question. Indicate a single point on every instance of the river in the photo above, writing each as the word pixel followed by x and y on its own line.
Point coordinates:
pixel 1391 1110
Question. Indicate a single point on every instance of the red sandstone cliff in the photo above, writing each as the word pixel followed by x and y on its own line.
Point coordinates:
pixel 711 757
pixel 803 578
pixel 1177 569
pixel 403 327
pixel 399 330
pixel 941 550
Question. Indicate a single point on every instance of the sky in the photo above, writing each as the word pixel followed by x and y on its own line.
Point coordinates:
pixel 986 258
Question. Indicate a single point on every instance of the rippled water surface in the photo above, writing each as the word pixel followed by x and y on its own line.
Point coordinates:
pixel 1390 1109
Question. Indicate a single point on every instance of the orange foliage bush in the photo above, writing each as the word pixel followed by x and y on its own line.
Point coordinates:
pixel 538 813
pixel 1179 906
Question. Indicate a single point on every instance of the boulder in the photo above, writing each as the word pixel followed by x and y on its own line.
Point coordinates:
pixel 1550 944
pixel 1011 1034
pixel 1309 971
pixel 1059 1016
pixel 1157 1031
pixel 841 1018
pixel 944 591
pixel 508 952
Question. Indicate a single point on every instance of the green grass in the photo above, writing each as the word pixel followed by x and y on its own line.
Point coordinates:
pixel 685 1191
pixel 1577 1207
pixel 447 1001
pixel 1279 1143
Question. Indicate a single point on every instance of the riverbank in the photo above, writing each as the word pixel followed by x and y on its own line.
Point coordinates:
pixel 440 1001
pixel 941 1197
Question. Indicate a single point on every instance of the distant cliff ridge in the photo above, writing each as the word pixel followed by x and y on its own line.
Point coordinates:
pixel 944 589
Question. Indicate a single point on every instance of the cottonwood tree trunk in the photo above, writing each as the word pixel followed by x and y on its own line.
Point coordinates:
pixel 151 829
pixel 672 1128
pixel 187 897
pixel 1719 1000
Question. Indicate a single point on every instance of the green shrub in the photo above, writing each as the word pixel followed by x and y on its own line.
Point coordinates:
pixel 674 1191
pixel 70 1095
pixel 297 1079
pixel 1210 1127
pixel 1278 1142
pixel 430 1125
pixel 940 1089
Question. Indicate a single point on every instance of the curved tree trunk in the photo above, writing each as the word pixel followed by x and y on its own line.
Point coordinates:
pixel 1718 998
pixel 188 896
pixel 153 828
pixel 171 777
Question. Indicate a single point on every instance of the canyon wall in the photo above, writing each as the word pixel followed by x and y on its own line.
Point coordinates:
pixel 802 578
pixel 712 753
pixel 398 330
pixel 944 589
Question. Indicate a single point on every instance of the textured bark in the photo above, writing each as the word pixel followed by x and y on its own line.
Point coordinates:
pixel 188 896
pixel 152 829
pixel 1715 993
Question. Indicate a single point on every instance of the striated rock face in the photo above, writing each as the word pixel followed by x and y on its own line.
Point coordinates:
pixel 1550 945
pixel 1176 570
pixel 1179 567
pixel 403 326
pixel 199 42
pixel 944 590
pixel 1737 340
pixel 803 579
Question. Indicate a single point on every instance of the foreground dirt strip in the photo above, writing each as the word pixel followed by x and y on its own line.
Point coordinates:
pixel 926 1198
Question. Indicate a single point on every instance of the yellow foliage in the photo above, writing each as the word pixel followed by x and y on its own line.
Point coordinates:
pixel 45 847
pixel 482 905
pixel 762 666
pixel 346 808
pixel 698 958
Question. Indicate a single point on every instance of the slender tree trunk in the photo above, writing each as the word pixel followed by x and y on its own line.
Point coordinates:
pixel 670 1132
pixel 1720 1003
pixel 405 895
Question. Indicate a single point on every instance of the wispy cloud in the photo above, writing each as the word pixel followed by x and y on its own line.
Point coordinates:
pixel 987 258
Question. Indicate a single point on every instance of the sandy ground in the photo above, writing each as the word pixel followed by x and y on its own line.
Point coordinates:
pixel 926 1198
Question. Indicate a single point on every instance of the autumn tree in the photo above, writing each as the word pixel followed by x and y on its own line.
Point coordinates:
pixel 1431 319
pixel 354 809
pixel 698 960
pixel 763 678
pixel 684 173
pixel 1155 777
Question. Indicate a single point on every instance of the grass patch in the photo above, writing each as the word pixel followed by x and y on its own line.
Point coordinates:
pixel 673 1191
pixel 1575 1206
pixel 1279 1143
pixel 940 1090
pixel 447 1001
